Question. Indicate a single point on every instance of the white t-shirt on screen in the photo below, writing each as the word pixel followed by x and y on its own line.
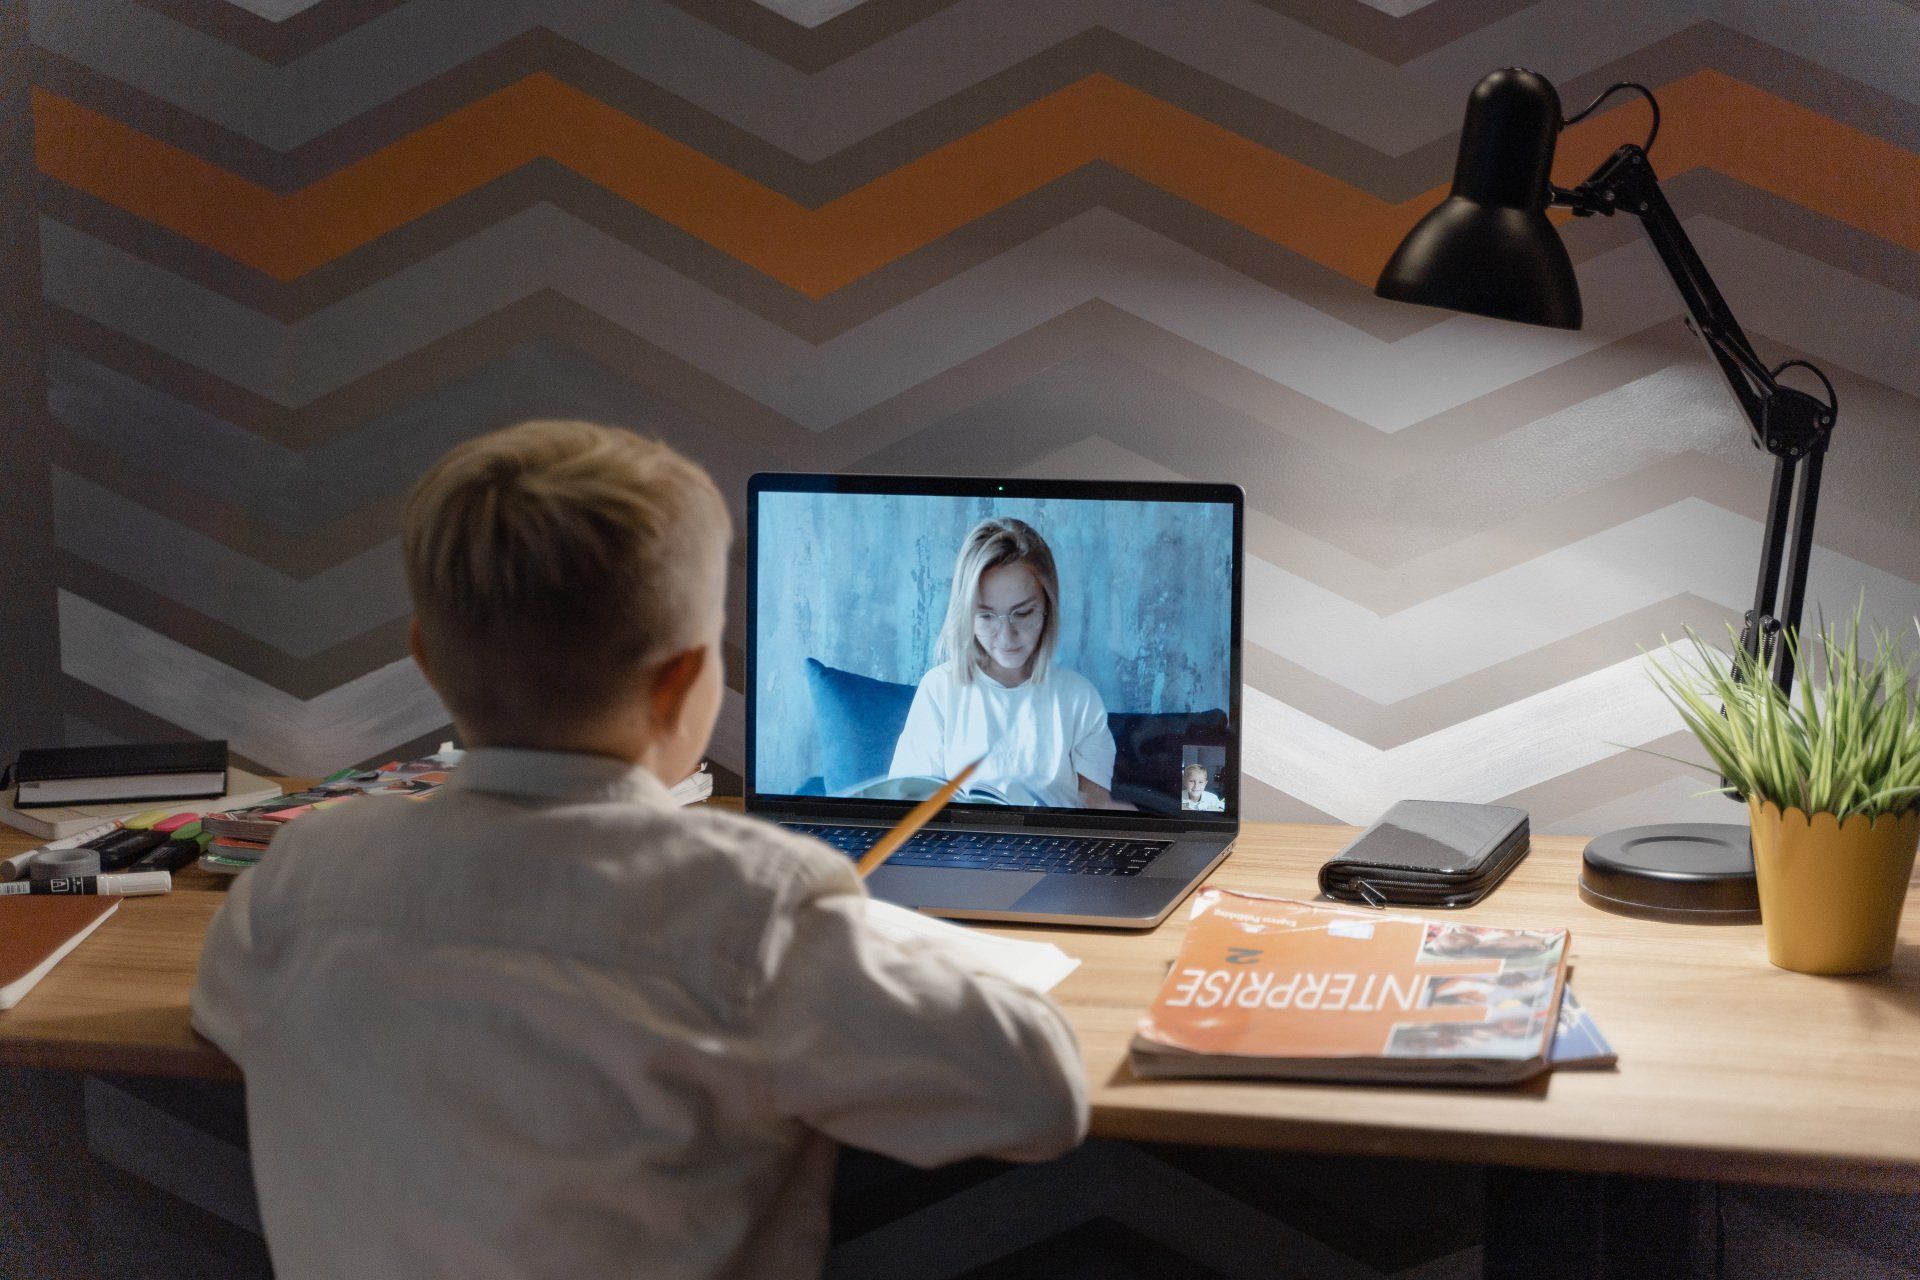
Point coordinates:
pixel 1039 738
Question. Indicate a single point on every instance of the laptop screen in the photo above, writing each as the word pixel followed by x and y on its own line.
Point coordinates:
pixel 1079 640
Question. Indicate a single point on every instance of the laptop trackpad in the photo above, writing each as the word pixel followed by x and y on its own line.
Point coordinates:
pixel 951 890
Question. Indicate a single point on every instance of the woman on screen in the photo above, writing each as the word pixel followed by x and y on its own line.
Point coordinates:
pixel 998 693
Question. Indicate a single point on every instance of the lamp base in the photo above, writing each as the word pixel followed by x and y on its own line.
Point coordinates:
pixel 1680 872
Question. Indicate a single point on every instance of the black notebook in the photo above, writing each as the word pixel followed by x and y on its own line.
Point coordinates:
pixel 111 775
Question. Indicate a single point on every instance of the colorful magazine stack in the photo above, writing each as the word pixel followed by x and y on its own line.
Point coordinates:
pixel 1270 987
pixel 241 836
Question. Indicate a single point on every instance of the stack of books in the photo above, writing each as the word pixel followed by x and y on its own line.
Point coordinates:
pixel 63 791
pixel 242 836
pixel 109 775
pixel 1269 987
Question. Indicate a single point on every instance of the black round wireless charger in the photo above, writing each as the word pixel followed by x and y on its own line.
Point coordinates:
pixel 1682 872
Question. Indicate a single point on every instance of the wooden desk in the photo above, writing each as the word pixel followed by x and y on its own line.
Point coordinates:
pixel 1730 1069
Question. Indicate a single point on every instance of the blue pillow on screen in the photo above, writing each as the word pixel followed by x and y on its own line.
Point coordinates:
pixel 858 719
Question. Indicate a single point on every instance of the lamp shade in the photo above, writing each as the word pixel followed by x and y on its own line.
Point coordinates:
pixel 1488 248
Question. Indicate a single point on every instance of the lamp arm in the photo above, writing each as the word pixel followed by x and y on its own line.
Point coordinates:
pixel 1789 424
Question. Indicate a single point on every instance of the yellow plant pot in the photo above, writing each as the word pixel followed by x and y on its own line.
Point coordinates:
pixel 1830 891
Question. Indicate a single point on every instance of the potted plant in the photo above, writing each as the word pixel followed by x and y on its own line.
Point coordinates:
pixel 1832 782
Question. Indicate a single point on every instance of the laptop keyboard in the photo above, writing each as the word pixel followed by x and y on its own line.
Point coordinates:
pixel 998 851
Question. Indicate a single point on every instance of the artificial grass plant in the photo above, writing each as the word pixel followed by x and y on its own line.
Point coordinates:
pixel 1848 742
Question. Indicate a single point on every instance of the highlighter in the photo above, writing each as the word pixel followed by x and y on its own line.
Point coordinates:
pixel 145 821
pixel 175 853
pixel 125 847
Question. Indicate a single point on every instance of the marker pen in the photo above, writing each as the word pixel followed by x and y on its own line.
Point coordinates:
pixel 118 849
pixel 131 885
pixel 175 853
pixel 15 868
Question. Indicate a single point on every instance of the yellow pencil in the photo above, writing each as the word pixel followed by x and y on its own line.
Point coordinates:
pixel 916 818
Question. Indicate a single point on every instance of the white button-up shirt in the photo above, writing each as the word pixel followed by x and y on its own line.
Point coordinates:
pixel 545 1023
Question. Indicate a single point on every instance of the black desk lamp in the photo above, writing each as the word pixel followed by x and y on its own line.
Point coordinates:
pixel 1490 250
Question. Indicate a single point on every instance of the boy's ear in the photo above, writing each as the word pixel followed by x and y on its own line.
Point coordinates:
pixel 417 649
pixel 673 679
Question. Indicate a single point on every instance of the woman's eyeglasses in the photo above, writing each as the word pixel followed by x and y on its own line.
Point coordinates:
pixel 986 621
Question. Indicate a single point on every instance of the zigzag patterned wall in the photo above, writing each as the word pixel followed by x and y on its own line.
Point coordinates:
pixel 289 251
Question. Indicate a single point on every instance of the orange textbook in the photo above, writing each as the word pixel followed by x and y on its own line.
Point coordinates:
pixel 1271 987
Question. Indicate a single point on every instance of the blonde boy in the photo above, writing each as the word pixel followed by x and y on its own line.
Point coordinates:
pixel 546 1023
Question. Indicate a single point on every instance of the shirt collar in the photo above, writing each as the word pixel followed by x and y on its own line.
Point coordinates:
pixel 557 775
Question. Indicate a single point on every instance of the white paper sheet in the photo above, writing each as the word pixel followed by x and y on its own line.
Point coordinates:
pixel 1037 966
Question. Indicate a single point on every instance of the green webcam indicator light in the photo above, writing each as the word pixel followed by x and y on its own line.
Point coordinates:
pixel 1002 488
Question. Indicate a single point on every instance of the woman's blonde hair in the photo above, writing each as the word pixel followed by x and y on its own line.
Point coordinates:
pixel 991 544
pixel 551 562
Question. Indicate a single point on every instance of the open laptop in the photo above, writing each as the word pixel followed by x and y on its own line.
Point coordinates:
pixel 1081 639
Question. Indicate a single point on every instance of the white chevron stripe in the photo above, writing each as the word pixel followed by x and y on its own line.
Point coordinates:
pixel 1490 755
pixel 1690 547
pixel 304 738
pixel 1098 255
pixel 811 116
pixel 309 737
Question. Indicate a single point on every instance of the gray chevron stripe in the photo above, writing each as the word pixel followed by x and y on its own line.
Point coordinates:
pixel 1586 789
pixel 1260 802
pixel 1389 386
pixel 1688 796
pixel 1524 745
pixel 1085 415
pixel 1326 701
pixel 1393 110
pixel 812 49
pixel 303 677
pixel 815 321
pixel 280 40
pixel 1383 659
pixel 1698 192
pixel 304 491
pixel 1621 430
pixel 809 116
pixel 297 617
pixel 1395 178
pixel 275 10
pixel 1547 667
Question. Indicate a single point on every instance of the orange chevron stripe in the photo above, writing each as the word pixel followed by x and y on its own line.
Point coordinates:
pixel 1714 122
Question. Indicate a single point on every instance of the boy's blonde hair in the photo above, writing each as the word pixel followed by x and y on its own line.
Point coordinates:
pixel 990 544
pixel 552 562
